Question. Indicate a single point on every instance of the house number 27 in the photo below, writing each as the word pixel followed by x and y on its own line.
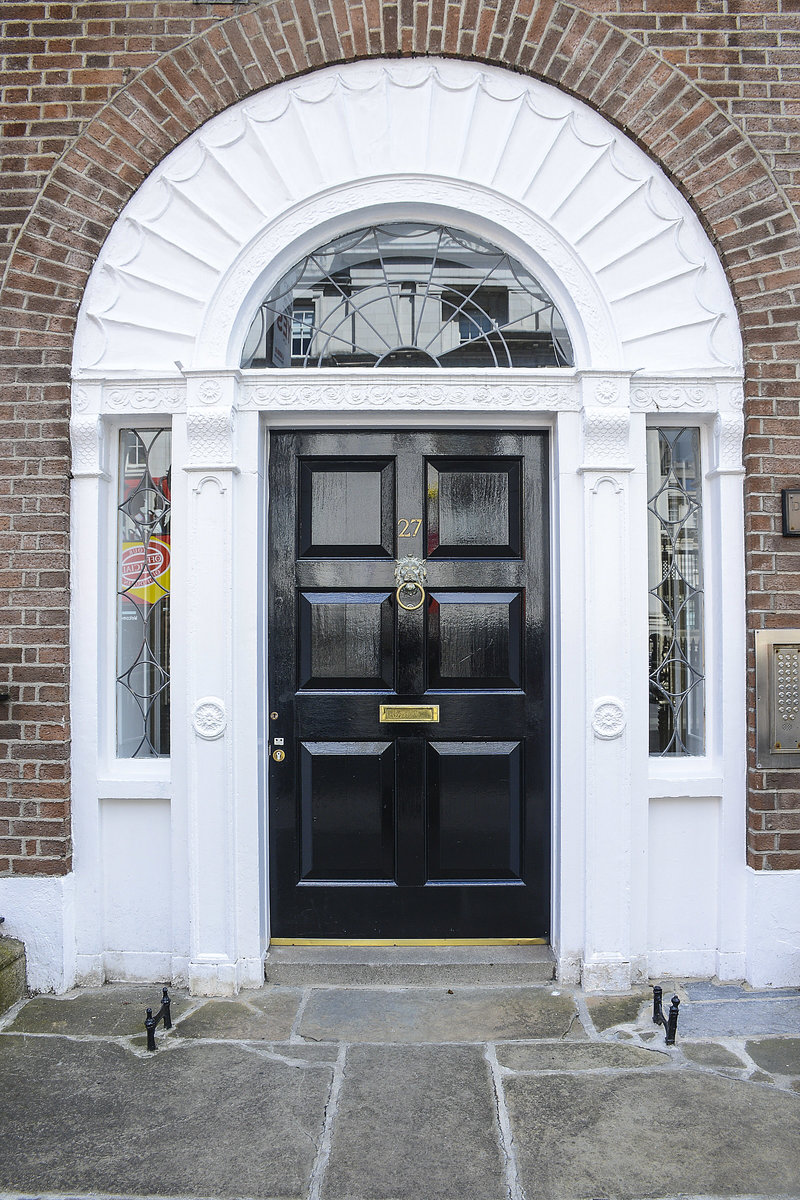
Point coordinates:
pixel 404 525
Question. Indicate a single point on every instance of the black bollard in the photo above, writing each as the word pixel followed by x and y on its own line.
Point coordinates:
pixel 150 1021
pixel 670 1023
pixel 150 1026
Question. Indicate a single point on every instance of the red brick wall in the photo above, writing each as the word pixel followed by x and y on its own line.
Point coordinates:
pixel 96 93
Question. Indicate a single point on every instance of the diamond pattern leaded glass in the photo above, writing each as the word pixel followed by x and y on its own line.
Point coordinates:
pixel 408 295
pixel 143 593
pixel 677 687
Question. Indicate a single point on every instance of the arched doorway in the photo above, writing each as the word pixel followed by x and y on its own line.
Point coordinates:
pixel 165 319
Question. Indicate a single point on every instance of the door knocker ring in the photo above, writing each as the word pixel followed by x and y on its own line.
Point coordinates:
pixel 410 574
pixel 409 587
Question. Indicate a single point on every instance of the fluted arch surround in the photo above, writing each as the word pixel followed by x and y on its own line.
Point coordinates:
pixel 218 221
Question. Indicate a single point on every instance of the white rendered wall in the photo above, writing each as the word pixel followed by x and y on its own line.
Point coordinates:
pixel 656 339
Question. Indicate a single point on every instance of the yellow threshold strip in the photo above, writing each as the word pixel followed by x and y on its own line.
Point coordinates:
pixel 322 941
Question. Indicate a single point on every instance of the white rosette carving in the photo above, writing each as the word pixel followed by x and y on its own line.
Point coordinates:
pixel 608 718
pixel 209 718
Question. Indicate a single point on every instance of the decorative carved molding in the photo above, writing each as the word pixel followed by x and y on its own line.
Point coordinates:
pixel 605 438
pixel 674 396
pixel 500 148
pixel 608 718
pixel 728 439
pixel 209 718
pixel 382 390
pixel 139 398
pixel 210 437
pixel 209 392
pixel 87 439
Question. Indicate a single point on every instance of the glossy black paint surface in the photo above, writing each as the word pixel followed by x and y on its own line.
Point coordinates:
pixel 415 830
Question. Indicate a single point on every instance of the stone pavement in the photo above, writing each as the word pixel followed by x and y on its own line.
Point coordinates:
pixel 514 1092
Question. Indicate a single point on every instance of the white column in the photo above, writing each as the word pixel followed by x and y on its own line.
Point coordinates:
pixel 606 471
pixel 211 482
pixel 726 665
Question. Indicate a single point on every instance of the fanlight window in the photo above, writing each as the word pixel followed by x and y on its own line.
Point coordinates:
pixel 408 295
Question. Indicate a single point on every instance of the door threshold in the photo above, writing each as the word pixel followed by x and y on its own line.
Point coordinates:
pixel 323 941
pixel 430 964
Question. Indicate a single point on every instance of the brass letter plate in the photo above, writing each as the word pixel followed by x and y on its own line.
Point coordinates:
pixel 409 713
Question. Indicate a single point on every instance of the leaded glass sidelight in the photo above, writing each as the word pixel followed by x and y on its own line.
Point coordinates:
pixel 408 295
pixel 143 593
pixel 677 688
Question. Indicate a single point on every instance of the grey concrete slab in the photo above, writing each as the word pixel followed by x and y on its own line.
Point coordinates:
pixel 256 1016
pixel 207 1120
pixel 418 1015
pixel 705 989
pixel 779 1056
pixel 652 1134
pixel 576 1056
pixel 409 966
pixel 732 1018
pixel 607 1011
pixel 104 1012
pixel 415 1123
pixel 710 1054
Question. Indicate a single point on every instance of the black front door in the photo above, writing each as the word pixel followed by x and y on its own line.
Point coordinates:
pixel 384 821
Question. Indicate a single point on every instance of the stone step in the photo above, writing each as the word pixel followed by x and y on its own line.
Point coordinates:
pixel 12 972
pixel 409 966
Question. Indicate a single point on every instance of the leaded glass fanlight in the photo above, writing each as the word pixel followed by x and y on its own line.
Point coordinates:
pixel 408 295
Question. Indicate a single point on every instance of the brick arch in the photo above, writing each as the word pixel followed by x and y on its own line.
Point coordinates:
pixel 704 153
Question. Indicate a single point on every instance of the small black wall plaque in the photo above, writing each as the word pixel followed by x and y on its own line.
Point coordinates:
pixel 791 511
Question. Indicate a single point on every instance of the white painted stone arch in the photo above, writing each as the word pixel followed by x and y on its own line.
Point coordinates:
pixel 160 330
pixel 197 247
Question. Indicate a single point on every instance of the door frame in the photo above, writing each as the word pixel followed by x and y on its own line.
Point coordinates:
pixel 415 420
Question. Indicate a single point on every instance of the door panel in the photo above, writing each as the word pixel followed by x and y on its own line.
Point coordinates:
pixel 475 810
pixel 473 508
pixel 347 810
pixel 428 829
pixel 475 639
pixel 346 640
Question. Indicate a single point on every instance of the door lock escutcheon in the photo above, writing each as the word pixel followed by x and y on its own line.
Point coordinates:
pixel 279 755
pixel 410 575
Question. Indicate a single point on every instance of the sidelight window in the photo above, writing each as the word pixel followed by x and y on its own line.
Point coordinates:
pixel 675 567
pixel 143 593
pixel 408 295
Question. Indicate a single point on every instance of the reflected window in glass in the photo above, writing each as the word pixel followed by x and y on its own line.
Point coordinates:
pixel 408 295
pixel 143 592
pixel 675 570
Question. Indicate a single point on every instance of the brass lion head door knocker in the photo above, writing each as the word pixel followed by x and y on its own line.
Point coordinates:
pixel 410 576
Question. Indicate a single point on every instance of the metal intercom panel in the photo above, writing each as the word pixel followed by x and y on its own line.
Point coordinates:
pixel 778 698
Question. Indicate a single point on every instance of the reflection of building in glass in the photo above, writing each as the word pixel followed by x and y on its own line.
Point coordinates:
pixel 677 689
pixel 143 593
pixel 408 295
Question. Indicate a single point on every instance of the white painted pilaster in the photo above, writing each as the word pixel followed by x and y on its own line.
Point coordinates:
pixel 606 470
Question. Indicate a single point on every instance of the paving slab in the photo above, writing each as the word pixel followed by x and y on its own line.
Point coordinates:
pixel 415 1123
pixel 706 989
pixel 779 1056
pixel 267 1016
pixel 207 1120
pixel 710 1054
pixel 101 1012
pixel 607 1011
pixel 576 1056
pixel 419 1015
pixel 652 1134
pixel 731 1018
